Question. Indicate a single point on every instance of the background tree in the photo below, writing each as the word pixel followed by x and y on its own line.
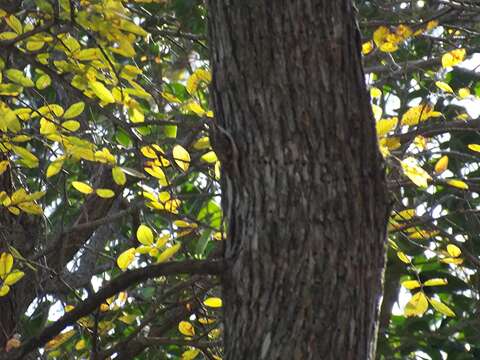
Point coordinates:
pixel 106 165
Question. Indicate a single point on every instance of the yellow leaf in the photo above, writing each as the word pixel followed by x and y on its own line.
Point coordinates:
pixel 71 125
pixel 416 233
pixel 168 253
pixel 128 318
pixel 4 289
pixel 456 261
pixel 55 167
pixel 190 354
pixel 432 24
pixel 47 127
pixel 186 328
pixel 14 23
pixel 386 125
pixel 3 166
pixel 213 302
pixel 10 89
pixel 105 156
pixel 33 45
pixel 414 172
pixel 81 344
pixel 411 284
pixel 8 35
pixel 367 47
pixel 50 111
pixel 380 35
pixel 74 110
pixel 474 147
pixel 145 235
pixel 405 215
pixel 6 264
pixel 435 282
pixel 210 157
pixel 126 258
pixel 148 152
pixel 403 31
pixel 388 47
pixel 118 175
pixel 132 28
pixel 19 77
pixel 417 305
pixel 375 92
pixel 441 307
pixel 444 86
pixel 156 172
pixel 59 340
pixel 82 187
pixel 13 277
pixel 404 258
pixel 419 113
pixel 101 91
pixel 181 157
pixel 441 165
pixel 202 143
pixel 194 80
pixel 464 93
pixel 31 208
pixel 87 54
pixel 458 184
pixel 195 107
pixel 28 158
pixel 453 57
pixel 453 250
pixel 377 112
pixel 206 321
pixel 105 193
pixel 43 82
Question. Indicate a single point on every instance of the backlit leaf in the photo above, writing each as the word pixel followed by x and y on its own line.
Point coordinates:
pixel 415 173
pixel 119 176
pixel 145 235
pixel 101 91
pixel 105 193
pixel 441 165
pixel 74 110
pixel 6 264
pixel 82 187
pixel 453 57
pixel 417 305
pixel 181 157
pixel 441 307
pixel 458 184
pixel 186 328
pixel 126 258
pixel 453 250
pixel 213 302
pixel 444 86
pixel 168 253
pixel 435 282
pixel 13 277
pixel 411 284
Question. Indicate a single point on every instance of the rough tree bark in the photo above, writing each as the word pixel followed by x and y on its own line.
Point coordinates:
pixel 303 181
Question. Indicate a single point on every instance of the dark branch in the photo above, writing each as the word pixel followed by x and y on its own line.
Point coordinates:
pixel 118 284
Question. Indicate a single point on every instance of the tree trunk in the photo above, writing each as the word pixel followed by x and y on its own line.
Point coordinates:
pixel 302 180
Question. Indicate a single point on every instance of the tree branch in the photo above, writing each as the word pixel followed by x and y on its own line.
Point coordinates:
pixel 118 284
